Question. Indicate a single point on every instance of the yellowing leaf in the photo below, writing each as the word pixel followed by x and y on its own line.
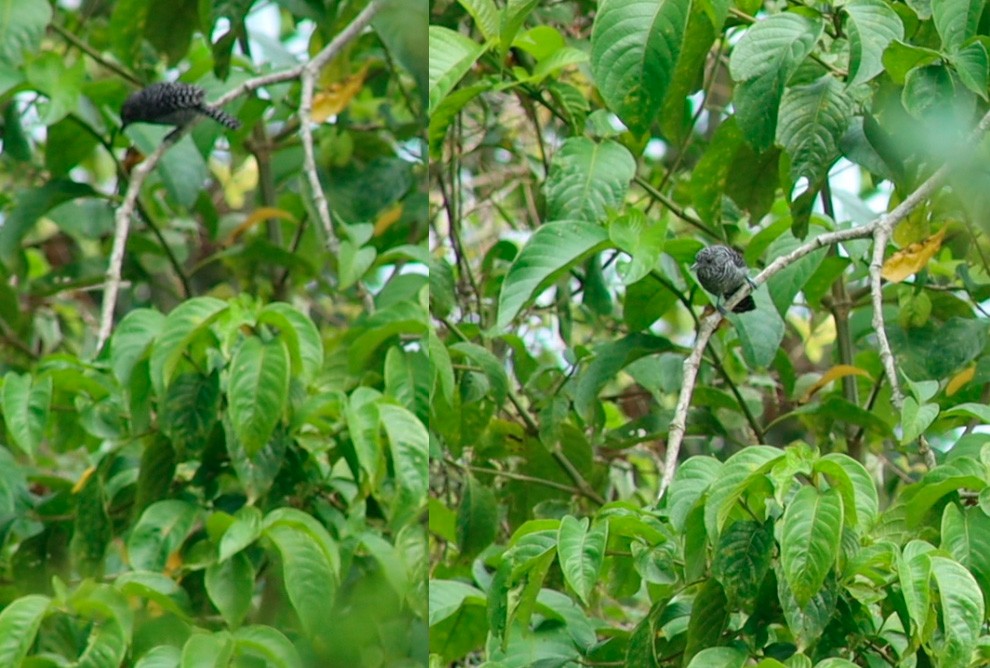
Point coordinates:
pixel 83 479
pixel 387 218
pixel 959 380
pixel 833 374
pixel 236 185
pixel 337 96
pixel 257 216
pixel 908 261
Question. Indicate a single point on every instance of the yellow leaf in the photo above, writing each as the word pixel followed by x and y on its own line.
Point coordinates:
pixel 257 216
pixel 83 479
pixel 387 218
pixel 833 374
pixel 236 184
pixel 337 96
pixel 909 261
pixel 959 380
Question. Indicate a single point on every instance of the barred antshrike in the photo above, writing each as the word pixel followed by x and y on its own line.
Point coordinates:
pixel 172 103
pixel 721 270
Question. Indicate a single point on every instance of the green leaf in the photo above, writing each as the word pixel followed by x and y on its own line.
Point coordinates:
pixel 640 237
pixel 485 16
pixel 956 21
pixel 808 621
pixel 551 252
pixel 760 332
pixel 916 419
pixel 309 577
pixel 127 25
pixel 581 552
pixel 914 570
pixel 131 340
pixel 22 25
pixel 156 472
pixel 927 90
pixel 490 365
pixel 25 409
pixel 268 645
pixel 739 472
pixel 710 174
pixel 449 596
pixel 409 443
pixel 972 65
pixel 587 179
pixel 60 84
pixel 761 63
pixel 962 612
pixel 189 410
pixel 91 531
pixel 477 519
pixel 242 532
pixel 785 285
pixel 635 45
pixel 859 494
pixel 301 336
pixel 692 479
pixel 208 650
pixel 513 16
pixel 452 55
pixel 900 58
pixel 810 537
pixel 161 530
pixel 813 118
pixel 257 390
pixel 742 559
pixel 722 657
pixel 230 586
pixel 872 26
pixel 181 327
pixel 19 623
pixel 709 618
pixel 182 170
pixel 702 28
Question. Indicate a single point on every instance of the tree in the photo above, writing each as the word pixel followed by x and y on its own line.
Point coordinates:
pixel 213 342
pixel 624 476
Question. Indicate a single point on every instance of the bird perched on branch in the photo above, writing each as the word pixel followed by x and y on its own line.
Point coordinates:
pixel 172 103
pixel 721 270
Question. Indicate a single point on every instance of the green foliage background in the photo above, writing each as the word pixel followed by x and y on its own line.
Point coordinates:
pixel 583 153
pixel 239 477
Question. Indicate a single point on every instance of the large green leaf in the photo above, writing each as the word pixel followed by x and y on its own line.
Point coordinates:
pixel 477 518
pixel 160 531
pixel 257 390
pixel 693 478
pixel 761 63
pixel 813 118
pixel 409 443
pixel 309 576
pixel 268 645
pixel 914 569
pixel 19 623
pixel 301 337
pixel 553 250
pixel 956 21
pixel 709 618
pixel 581 552
pixel 742 559
pixel 132 337
pixel 182 325
pixel 810 537
pixel 739 472
pixel 859 493
pixel 872 26
pixel 962 612
pixel 587 179
pixel 25 409
pixel 635 45
pixel 451 56
pixel 230 586
pixel 33 204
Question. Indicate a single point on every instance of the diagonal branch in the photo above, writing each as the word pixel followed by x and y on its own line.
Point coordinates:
pixel 879 230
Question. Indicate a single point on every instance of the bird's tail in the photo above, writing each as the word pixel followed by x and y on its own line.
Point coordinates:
pixel 747 304
pixel 221 117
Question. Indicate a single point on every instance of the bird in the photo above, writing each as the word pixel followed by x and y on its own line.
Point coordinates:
pixel 722 271
pixel 171 103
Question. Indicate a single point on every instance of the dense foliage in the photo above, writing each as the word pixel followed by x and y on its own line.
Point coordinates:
pixel 238 477
pixel 829 504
